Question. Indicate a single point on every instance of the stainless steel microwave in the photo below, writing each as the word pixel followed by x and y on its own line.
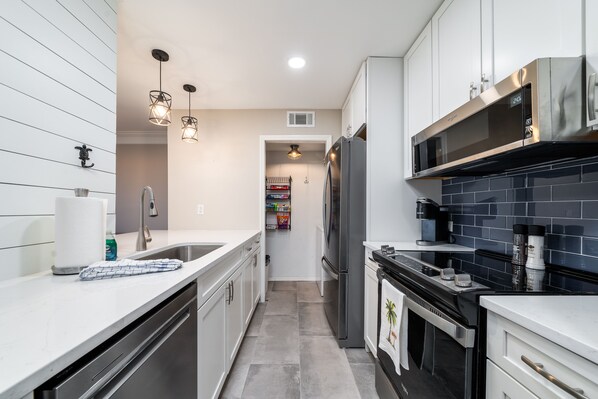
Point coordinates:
pixel 536 115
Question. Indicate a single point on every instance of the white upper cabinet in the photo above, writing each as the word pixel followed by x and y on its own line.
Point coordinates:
pixel 456 59
pixel 359 99
pixel 592 60
pixel 354 109
pixel 418 91
pixel 517 32
pixel 346 118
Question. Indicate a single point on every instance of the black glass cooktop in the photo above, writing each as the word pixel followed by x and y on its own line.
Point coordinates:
pixel 495 274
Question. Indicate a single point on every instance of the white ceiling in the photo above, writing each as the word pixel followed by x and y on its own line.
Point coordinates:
pixel 236 52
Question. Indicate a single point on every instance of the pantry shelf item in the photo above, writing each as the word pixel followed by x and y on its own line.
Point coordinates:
pixel 278 203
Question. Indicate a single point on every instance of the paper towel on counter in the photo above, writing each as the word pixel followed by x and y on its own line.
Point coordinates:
pixel 79 231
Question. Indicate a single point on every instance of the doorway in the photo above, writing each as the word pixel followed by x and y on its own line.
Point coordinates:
pixel 293 251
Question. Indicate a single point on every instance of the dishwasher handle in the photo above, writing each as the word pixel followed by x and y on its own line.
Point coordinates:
pixel 101 367
pixel 112 381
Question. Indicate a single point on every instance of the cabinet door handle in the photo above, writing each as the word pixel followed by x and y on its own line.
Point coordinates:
pixel 254 260
pixel 472 90
pixel 228 293
pixel 539 368
pixel 483 82
pixel 592 84
pixel 232 285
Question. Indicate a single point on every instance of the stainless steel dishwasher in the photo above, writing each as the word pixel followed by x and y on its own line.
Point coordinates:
pixel 154 357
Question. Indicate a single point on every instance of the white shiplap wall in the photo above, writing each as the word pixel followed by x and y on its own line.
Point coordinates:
pixel 58 91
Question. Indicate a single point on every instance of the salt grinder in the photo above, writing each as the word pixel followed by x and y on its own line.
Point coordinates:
pixel 535 247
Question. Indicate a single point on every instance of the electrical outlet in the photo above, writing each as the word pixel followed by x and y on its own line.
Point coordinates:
pixel 200 209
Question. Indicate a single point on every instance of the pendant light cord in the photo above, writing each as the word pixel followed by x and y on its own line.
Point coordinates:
pixel 160 76
pixel 189 103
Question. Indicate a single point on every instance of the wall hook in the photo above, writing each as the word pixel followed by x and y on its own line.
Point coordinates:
pixel 84 156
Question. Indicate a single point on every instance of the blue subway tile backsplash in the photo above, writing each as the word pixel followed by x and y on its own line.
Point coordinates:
pixel 562 197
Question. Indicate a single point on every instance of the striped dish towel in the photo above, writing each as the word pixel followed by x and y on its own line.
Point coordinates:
pixel 127 267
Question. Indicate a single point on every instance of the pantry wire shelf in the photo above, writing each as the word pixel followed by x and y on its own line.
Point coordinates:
pixel 278 217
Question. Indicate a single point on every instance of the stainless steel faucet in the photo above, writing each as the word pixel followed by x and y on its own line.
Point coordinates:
pixel 144 235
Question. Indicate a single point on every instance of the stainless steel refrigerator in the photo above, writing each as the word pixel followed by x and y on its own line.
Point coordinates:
pixel 344 233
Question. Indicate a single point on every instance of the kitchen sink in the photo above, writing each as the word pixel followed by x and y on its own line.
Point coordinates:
pixel 184 252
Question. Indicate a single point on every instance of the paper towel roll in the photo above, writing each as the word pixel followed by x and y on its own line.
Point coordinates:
pixel 79 231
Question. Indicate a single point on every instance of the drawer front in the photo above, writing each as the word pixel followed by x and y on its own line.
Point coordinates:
pixel 256 241
pixel 251 245
pixel 500 385
pixel 509 345
pixel 369 259
pixel 209 282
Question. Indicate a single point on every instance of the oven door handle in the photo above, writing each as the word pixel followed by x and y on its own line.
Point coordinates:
pixel 464 336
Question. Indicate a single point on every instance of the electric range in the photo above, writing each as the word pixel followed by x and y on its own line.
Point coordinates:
pixel 446 326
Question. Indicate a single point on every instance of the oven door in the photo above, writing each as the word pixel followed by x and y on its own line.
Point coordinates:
pixel 441 353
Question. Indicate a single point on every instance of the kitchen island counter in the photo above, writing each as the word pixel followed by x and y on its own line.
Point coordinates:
pixel 50 321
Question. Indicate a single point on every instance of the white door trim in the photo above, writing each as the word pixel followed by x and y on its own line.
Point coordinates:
pixel 281 138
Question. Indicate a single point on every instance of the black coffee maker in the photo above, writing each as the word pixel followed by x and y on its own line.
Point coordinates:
pixel 435 222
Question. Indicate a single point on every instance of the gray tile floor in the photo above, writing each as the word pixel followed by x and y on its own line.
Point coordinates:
pixel 289 352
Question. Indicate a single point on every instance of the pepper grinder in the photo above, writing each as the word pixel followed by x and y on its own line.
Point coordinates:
pixel 535 247
pixel 519 243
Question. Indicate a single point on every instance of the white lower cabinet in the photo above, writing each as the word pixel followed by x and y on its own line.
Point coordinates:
pixel 248 277
pixel 234 316
pixel 370 307
pixel 211 344
pixel 223 318
pixel 539 365
pixel 500 385
pixel 256 278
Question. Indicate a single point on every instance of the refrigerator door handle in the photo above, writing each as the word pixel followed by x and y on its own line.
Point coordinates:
pixel 324 204
pixel 327 208
pixel 328 269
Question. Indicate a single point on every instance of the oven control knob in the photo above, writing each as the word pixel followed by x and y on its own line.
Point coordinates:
pixel 463 280
pixel 390 250
pixel 383 248
pixel 447 274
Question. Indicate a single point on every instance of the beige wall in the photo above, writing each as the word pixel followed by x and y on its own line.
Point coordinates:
pixel 222 170
pixel 139 165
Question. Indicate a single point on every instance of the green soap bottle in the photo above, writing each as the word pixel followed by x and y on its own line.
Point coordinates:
pixel 110 246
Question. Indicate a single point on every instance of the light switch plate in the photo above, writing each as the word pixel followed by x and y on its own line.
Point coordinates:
pixel 200 209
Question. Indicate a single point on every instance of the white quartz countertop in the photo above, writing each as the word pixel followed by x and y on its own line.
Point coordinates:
pixel 412 246
pixel 569 321
pixel 47 322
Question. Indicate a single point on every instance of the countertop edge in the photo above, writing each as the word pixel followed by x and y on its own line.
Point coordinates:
pixel 549 332
pixel 17 389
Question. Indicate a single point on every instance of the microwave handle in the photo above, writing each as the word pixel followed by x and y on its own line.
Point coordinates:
pixel 592 96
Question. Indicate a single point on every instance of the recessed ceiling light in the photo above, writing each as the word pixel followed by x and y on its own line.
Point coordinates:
pixel 296 62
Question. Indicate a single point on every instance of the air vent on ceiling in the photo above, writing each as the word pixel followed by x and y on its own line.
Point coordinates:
pixel 301 119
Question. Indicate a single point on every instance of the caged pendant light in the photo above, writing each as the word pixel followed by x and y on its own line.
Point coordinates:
pixel 160 101
pixel 294 154
pixel 189 127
